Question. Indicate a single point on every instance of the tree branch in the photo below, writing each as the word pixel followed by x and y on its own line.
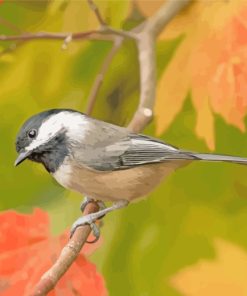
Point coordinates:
pixel 9 25
pixel 146 44
pixel 106 33
pixel 98 15
pixel 67 256
pixel 91 35
pixel 164 15
pixel 48 35
pixel 100 77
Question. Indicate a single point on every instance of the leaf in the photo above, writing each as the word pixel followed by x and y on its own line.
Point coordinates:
pixel 225 275
pixel 211 62
pixel 27 250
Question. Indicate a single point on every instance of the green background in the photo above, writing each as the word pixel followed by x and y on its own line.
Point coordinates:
pixel 147 243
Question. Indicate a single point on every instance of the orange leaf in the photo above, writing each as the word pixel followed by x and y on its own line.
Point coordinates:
pixel 225 275
pixel 27 250
pixel 211 61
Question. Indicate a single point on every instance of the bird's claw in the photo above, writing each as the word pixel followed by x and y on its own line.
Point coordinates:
pixel 96 233
pixel 90 219
pixel 86 220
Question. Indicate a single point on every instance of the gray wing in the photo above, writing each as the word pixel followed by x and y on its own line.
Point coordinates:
pixel 107 147
pixel 130 151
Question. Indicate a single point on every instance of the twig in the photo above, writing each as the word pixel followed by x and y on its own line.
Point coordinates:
pixel 107 61
pixel 102 34
pixel 98 15
pixel 9 25
pixel 104 27
pixel 147 63
pixel 126 34
pixel 67 256
pixel 94 34
pixel 99 78
pixel 147 33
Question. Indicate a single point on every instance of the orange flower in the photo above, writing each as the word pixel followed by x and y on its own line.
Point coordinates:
pixel 27 250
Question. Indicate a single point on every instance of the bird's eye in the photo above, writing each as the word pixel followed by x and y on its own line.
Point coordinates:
pixel 32 133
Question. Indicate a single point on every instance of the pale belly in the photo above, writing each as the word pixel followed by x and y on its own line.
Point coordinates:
pixel 126 184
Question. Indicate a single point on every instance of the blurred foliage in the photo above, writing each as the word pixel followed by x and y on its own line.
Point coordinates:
pixel 153 247
pixel 211 62
pixel 27 251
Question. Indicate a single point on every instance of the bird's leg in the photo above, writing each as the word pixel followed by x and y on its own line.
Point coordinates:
pixel 88 200
pixel 94 227
pixel 91 218
pixel 85 202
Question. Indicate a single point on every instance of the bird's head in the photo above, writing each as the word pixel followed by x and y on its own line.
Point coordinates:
pixel 45 137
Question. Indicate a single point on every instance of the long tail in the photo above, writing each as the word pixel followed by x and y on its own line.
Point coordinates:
pixel 218 157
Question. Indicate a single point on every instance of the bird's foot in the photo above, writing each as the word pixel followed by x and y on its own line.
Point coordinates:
pixel 90 219
pixel 86 220
pixel 88 200
pixel 79 222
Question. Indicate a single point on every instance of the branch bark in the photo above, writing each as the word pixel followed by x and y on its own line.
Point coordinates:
pixel 106 33
pixel 146 44
pixel 67 256
pixel 100 77
pixel 49 35
pixel 97 13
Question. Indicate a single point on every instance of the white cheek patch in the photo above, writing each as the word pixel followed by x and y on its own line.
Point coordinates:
pixel 75 125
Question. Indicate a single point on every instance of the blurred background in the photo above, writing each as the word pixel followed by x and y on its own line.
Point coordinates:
pixel 189 236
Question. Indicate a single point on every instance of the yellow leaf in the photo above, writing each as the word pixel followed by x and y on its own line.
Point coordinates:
pixel 225 275
pixel 171 91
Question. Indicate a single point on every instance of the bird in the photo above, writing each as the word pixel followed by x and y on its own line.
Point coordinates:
pixel 100 160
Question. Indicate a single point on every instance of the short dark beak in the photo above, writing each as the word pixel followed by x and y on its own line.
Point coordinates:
pixel 21 157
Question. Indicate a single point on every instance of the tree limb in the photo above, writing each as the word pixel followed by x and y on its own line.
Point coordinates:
pixel 100 76
pixel 67 256
pixel 164 15
pixel 146 44
pixel 91 35
pixel 9 25
pixel 98 15
pixel 49 35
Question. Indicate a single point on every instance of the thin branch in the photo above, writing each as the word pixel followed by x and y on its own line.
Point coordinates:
pixel 49 35
pixel 9 25
pixel 67 256
pixel 102 34
pixel 100 77
pixel 147 63
pixel 107 61
pixel 97 13
pixel 146 44
pixel 104 27
pixel 126 34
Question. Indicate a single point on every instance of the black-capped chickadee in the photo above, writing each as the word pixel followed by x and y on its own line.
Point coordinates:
pixel 102 161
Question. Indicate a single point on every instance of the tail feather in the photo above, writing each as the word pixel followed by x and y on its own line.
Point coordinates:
pixel 218 157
